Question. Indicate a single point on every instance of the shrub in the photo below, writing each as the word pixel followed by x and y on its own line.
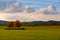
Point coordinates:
pixel 22 28
pixel 12 28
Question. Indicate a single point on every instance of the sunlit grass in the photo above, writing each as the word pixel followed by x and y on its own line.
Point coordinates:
pixel 31 33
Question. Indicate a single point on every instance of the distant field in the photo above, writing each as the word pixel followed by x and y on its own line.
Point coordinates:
pixel 31 33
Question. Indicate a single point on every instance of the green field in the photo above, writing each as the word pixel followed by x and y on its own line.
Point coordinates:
pixel 31 33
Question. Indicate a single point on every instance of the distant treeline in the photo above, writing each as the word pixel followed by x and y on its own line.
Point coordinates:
pixel 40 23
pixel 4 23
pixel 35 23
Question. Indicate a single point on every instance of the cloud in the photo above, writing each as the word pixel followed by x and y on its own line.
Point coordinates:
pixel 5 3
pixel 41 14
pixel 14 7
pixel 29 9
pixel 49 10
pixel 16 10
pixel 11 6
pixel 30 17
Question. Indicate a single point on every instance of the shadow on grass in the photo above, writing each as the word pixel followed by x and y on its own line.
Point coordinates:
pixel 11 28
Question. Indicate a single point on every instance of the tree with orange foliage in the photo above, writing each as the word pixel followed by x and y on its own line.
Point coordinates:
pixel 10 24
pixel 17 23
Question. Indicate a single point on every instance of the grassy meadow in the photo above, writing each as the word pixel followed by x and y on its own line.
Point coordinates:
pixel 31 33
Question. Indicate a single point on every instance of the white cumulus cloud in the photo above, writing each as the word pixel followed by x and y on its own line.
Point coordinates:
pixel 49 10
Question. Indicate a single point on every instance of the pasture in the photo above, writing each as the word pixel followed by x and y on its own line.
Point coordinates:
pixel 31 33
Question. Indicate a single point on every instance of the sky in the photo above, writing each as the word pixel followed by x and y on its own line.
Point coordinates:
pixel 41 3
pixel 30 10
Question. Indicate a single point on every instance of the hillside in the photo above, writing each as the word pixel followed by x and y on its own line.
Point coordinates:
pixel 3 22
pixel 34 23
pixel 38 23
